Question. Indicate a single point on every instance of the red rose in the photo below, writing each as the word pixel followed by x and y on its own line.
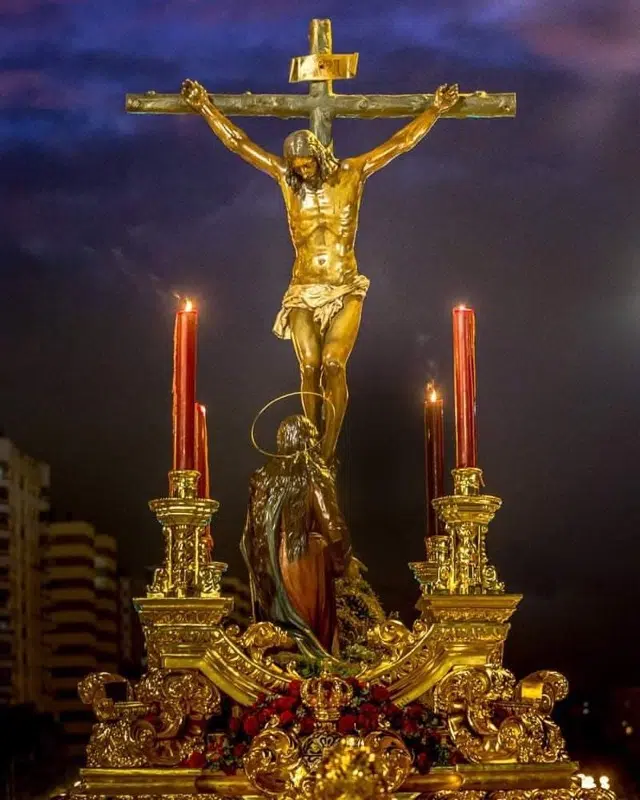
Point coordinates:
pixel 422 763
pixel 293 688
pixel 367 722
pixel 368 709
pixel 239 750
pixel 251 725
pixel 347 723
pixel 379 694
pixel 195 761
pixel 234 724
pixel 265 715
pixel 414 711
pixel 287 718
pixel 285 704
pixel 307 724
pixel 409 727
pixel 390 709
pixel 262 698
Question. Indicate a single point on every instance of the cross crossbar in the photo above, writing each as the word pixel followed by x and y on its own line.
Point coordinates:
pixel 321 106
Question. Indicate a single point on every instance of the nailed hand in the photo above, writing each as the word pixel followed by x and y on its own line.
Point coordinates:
pixel 194 93
pixel 446 97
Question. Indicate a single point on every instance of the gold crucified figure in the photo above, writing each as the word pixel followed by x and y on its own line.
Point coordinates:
pixel 322 308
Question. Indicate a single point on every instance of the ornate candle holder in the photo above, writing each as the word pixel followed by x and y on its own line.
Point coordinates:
pixel 462 597
pixel 183 606
pixel 457 562
pixel 187 570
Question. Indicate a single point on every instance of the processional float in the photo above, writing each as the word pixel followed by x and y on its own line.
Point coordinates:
pixel 323 695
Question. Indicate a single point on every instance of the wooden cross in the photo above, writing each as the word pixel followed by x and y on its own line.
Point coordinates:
pixel 321 106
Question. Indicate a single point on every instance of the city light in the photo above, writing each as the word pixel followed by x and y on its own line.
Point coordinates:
pixel 589 782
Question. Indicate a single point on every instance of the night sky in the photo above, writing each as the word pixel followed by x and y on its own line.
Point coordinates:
pixel 533 221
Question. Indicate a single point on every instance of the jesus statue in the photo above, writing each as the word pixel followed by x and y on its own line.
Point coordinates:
pixel 322 307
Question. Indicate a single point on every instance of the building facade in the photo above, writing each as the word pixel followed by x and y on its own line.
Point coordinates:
pixel 73 633
pixel 24 510
pixel 83 587
pixel 64 609
pixel 108 644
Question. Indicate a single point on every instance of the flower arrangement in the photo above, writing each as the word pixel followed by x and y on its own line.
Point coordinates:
pixel 369 709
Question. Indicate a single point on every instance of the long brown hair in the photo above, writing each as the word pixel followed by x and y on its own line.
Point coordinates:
pixel 305 144
pixel 291 476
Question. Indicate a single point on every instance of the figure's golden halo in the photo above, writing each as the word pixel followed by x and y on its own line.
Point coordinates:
pixel 272 403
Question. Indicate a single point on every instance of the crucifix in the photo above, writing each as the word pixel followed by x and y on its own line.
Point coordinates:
pixel 321 106
pixel 321 309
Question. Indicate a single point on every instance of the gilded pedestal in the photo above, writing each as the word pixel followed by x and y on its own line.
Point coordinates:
pixel 449 661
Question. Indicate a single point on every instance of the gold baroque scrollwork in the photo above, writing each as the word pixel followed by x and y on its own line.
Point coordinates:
pixel 492 718
pixel 150 728
pixel 261 637
pixel 532 794
pixel 92 690
pixel 273 763
pixel 119 738
pixel 392 757
pixel 363 769
pixel 258 674
pixel 179 696
pixel 394 638
pixel 404 652
pixel 596 793
pixel 316 746
pixel 171 625
pixel 575 793
pixel 276 765
pixel 467 794
pixel 469 632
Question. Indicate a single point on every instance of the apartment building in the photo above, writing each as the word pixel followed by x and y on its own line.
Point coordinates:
pixel 24 510
pixel 70 583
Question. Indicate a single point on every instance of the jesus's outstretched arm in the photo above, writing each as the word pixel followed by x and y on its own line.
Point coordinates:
pixel 233 137
pixel 408 137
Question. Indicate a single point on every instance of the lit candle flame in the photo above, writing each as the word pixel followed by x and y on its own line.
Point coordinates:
pixel 432 394
pixel 188 305
pixel 461 307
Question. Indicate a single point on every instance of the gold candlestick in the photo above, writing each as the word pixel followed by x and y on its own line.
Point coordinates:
pixel 457 562
pixel 188 569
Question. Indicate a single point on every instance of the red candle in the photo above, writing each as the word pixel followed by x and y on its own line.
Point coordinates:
pixel 434 453
pixel 184 387
pixel 202 450
pixel 202 462
pixel 464 374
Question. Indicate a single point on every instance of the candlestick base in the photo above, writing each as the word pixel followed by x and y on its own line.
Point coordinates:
pixel 188 569
pixel 457 561
pixel 179 630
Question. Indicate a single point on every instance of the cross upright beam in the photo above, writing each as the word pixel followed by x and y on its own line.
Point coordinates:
pixel 321 106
